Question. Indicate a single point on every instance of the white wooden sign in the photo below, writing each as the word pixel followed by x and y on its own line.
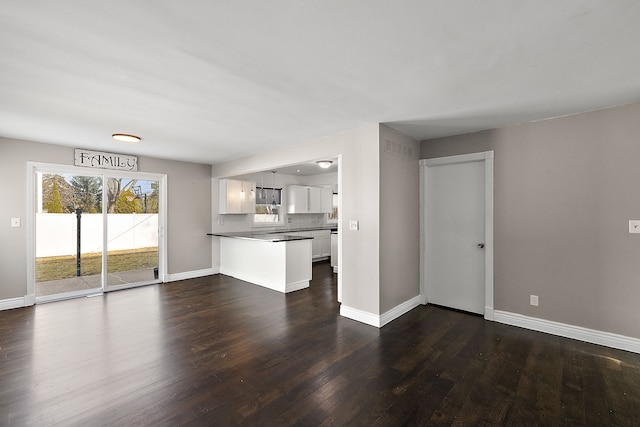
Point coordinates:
pixel 98 159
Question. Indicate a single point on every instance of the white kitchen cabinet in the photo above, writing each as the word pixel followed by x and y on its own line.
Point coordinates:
pixel 315 248
pixel 307 199
pixel 334 252
pixel 297 199
pixel 321 247
pixel 327 200
pixel 231 200
pixel 282 266
pixel 325 246
pixel 315 199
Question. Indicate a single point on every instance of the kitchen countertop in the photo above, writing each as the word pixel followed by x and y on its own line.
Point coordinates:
pixel 295 230
pixel 270 237
pixel 274 235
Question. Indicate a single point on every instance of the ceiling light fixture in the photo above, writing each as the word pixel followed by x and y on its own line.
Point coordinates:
pixel 123 137
pixel 242 193
pixel 324 164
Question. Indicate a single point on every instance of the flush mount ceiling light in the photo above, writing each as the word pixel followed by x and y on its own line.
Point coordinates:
pixel 324 163
pixel 123 137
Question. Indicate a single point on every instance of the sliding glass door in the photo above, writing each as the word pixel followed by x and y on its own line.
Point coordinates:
pixel 69 235
pixel 132 230
pixel 95 232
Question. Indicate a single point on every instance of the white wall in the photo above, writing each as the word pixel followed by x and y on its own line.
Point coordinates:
pixel 399 219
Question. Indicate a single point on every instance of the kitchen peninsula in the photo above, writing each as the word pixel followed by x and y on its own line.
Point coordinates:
pixel 277 261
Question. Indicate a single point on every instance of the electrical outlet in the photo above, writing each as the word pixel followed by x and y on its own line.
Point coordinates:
pixel 533 300
pixel 354 225
pixel 220 221
pixel 634 226
pixel 15 222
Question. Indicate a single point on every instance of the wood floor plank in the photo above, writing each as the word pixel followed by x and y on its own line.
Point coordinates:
pixel 572 391
pixel 220 351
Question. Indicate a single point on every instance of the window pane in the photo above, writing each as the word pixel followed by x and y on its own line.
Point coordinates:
pixel 268 196
pixel 267 214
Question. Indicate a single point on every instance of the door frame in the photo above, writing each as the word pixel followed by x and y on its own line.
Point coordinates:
pixel 487 157
pixel 33 167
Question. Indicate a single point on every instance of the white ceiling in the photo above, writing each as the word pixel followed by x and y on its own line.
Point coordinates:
pixel 211 81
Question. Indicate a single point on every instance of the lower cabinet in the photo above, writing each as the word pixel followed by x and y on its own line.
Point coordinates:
pixel 321 247
pixel 334 251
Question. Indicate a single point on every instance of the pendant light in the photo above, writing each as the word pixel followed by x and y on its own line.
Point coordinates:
pixel 273 191
pixel 242 193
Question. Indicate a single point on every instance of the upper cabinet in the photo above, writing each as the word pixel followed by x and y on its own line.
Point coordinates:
pixel 315 199
pixel 297 199
pixel 308 199
pixel 237 197
pixel 327 200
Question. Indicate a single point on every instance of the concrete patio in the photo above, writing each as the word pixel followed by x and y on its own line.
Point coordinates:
pixel 82 283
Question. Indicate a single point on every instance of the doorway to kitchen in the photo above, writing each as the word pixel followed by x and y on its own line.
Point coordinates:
pixel 92 232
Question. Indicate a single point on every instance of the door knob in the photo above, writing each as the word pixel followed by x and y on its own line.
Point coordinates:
pixel 481 245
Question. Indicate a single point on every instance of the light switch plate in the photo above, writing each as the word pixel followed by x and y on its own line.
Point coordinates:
pixel 354 225
pixel 634 226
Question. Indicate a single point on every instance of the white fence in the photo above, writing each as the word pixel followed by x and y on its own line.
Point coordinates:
pixel 56 233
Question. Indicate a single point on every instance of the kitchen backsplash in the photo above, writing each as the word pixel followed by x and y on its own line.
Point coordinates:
pixel 306 220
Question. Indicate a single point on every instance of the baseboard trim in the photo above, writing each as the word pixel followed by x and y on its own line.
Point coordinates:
pixel 29 300
pixel 190 274
pixel 592 336
pixel 379 320
pixel 292 287
pixel 399 310
pixel 360 315
pixel 489 313
pixel 10 303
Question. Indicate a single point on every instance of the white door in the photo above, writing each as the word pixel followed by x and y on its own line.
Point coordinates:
pixel 454 226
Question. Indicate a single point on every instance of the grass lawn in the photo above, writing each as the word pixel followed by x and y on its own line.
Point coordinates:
pixel 63 267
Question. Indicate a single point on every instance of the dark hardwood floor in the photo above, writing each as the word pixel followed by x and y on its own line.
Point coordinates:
pixel 216 351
